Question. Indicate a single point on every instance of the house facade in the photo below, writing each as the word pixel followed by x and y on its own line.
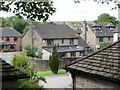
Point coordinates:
pixel 95 34
pixel 116 34
pixel 44 36
pixel 98 70
pixel 10 37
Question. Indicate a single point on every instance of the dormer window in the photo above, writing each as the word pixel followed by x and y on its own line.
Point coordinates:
pixel 110 27
pixel 96 28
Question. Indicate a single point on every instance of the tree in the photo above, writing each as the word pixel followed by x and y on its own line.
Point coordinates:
pixel 18 23
pixel 117 2
pixel 30 10
pixel 54 61
pixel 32 52
pixel 2 22
pixel 106 19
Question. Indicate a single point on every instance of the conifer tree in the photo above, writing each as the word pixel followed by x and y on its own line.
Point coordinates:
pixel 54 61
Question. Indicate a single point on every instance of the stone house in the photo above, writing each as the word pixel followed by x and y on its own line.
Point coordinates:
pixel 9 75
pixel 10 37
pixel 116 34
pixel 98 70
pixel 44 36
pixel 95 34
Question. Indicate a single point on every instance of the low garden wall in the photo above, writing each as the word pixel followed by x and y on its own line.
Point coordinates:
pixel 43 65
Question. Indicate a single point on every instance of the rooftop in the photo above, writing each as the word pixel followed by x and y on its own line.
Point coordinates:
pixel 8 31
pixel 54 31
pixel 103 63
pixel 104 29
pixel 65 48
pixel 9 72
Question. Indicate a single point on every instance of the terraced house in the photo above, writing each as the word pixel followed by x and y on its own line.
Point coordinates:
pixel 95 34
pixel 98 70
pixel 10 37
pixel 44 36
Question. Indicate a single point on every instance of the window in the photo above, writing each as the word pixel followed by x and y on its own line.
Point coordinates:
pixel 62 55
pixel 12 46
pixel 71 41
pixel 7 39
pixel 62 41
pixel 15 38
pixel 49 42
pixel 73 54
pixel 100 39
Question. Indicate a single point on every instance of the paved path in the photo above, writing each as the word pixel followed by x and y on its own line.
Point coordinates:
pixel 7 56
pixel 58 81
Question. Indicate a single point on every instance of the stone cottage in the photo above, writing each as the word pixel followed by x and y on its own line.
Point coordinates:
pixel 98 70
pixel 95 34
pixel 44 36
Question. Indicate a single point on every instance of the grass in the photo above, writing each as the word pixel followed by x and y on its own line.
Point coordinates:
pixel 46 73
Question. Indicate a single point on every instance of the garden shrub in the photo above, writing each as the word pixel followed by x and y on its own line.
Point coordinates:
pixel 21 61
pixel 54 60
pixel 7 50
pixel 32 52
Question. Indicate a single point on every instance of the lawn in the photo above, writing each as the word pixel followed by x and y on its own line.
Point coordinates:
pixel 46 73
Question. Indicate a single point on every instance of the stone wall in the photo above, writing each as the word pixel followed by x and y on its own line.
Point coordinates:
pixel 42 65
pixel 85 81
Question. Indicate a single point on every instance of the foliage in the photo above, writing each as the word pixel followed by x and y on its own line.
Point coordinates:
pixel 102 45
pixel 25 83
pixel 7 50
pixel 21 61
pixel 46 73
pixel 30 10
pixel 106 19
pixel 54 61
pixel 2 22
pixel 117 2
pixel 31 51
pixel 18 24
pixel 25 29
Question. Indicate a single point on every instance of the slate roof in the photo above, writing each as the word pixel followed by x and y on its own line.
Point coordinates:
pixel 104 32
pixel 54 31
pixel 81 42
pixel 8 31
pixel 116 30
pixel 8 72
pixel 65 48
pixel 104 63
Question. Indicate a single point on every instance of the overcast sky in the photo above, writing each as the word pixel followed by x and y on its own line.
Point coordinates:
pixel 67 10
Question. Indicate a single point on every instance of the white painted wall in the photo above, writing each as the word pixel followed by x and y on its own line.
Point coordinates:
pixel 115 38
pixel 46 55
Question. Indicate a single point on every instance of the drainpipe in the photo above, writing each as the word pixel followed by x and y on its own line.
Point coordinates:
pixel 119 21
pixel 85 31
pixel 31 33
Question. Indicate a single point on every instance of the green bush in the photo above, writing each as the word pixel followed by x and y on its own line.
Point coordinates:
pixel 54 61
pixel 21 61
pixel 32 52
pixel 102 45
pixel 25 83
pixel 7 50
